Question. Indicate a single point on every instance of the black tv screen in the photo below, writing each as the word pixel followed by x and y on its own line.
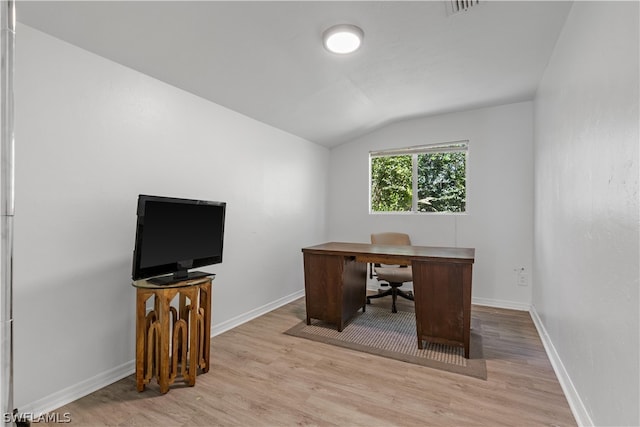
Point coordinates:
pixel 174 235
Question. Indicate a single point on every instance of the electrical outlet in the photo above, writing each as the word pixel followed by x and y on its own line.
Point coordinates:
pixel 522 278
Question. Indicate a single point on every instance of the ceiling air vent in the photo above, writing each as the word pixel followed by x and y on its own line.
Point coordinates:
pixel 456 6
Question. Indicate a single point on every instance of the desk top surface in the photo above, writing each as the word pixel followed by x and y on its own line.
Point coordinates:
pixel 400 251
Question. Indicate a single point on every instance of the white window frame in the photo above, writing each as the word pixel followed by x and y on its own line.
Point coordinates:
pixel 414 151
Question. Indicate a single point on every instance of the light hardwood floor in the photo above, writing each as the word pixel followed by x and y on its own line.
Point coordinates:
pixel 262 377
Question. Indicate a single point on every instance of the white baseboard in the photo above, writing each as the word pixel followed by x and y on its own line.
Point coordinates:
pixel 76 391
pixel 67 395
pixel 250 315
pixel 573 397
pixel 497 303
pixel 512 305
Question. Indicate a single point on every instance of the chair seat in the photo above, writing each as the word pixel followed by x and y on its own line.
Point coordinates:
pixel 394 274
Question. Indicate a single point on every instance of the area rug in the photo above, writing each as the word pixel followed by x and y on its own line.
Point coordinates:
pixel 393 335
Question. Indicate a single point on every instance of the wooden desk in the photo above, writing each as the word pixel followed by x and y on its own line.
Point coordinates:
pixel 335 277
pixel 169 338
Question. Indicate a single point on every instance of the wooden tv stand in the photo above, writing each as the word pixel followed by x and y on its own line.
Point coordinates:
pixel 172 340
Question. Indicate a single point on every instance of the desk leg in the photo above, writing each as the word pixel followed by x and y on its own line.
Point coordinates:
pixel 466 304
pixel 335 288
pixel 354 289
pixel 442 294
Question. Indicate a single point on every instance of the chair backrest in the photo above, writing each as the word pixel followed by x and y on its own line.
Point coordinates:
pixel 390 239
pixel 387 239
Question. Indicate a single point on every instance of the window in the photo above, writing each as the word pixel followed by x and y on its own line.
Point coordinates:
pixel 427 178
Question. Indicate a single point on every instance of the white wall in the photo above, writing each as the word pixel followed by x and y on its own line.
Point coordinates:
pixel 90 136
pixel 586 209
pixel 499 222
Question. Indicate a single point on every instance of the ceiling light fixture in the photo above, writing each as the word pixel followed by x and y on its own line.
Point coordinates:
pixel 343 38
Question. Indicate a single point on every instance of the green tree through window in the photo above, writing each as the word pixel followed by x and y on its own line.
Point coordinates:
pixel 442 182
pixel 425 179
pixel 391 186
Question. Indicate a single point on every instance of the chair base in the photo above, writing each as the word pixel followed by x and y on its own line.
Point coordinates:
pixel 394 292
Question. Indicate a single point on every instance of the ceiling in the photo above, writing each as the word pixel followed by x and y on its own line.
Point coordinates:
pixel 265 59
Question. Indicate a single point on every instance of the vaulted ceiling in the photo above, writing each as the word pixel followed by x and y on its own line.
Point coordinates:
pixel 266 60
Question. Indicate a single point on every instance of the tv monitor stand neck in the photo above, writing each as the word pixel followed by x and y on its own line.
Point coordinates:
pixel 178 276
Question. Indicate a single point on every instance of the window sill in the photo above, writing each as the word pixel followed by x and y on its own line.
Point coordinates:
pixel 404 213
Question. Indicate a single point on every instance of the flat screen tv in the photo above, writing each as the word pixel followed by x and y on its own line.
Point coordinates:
pixel 174 235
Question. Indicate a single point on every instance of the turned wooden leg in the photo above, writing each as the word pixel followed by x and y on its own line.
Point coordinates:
pixel 205 301
pixel 165 337
pixel 193 338
pixel 140 337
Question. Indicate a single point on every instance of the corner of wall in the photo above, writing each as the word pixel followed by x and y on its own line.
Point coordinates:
pixel 578 408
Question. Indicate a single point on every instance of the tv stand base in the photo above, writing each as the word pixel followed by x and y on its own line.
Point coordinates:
pixel 172 339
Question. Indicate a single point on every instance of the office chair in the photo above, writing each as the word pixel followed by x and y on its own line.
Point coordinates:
pixel 395 276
